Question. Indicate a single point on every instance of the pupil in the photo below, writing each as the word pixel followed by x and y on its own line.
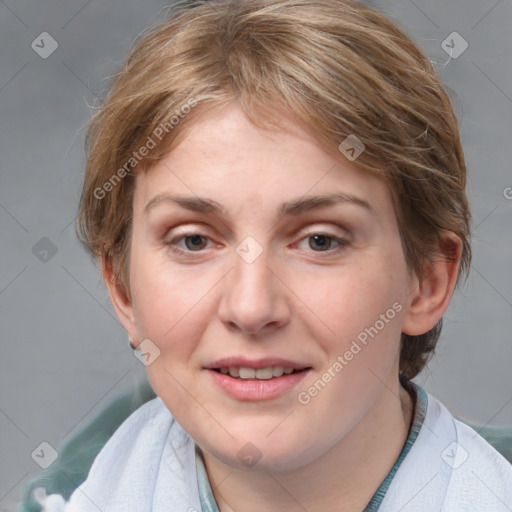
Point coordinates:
pixel 321 242
pixel 194 242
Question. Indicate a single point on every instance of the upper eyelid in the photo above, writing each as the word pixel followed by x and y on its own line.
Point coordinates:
pixel 319 228
pixel 181 236
pixel 341 241
pixel 181 231
pixel 303 232
pixel 314 227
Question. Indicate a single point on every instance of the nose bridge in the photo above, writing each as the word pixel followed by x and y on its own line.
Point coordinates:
pixel 252 298
pixel 251 276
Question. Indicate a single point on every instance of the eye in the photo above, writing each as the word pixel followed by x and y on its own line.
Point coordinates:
pixel 321 242
pixel 188 243
pixel 195 242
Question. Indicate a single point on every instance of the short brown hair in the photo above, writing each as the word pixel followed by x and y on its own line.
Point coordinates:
pixel 341 67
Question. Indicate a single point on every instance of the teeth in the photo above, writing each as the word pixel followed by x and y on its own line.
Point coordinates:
pixel 261 373
pixel 264 373
pixel 247 373
pixel 277 371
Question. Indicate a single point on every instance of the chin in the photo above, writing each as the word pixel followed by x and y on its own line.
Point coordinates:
pixel 260 454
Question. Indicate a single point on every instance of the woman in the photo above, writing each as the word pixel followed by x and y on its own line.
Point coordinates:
pixel 275 194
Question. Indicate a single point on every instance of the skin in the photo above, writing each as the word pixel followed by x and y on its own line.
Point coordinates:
pixel 294 301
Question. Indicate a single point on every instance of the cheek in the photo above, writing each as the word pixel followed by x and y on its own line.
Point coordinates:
pixel 363 310
pixel 345 303
pixel 170 306
pixel 172 309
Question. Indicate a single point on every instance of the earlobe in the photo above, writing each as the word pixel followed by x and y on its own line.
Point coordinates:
pixel 119 298
pixel 431 294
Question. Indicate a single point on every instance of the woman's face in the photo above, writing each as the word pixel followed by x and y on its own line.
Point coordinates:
pixel 253 254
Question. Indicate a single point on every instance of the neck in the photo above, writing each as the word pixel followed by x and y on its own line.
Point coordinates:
pixel 343 479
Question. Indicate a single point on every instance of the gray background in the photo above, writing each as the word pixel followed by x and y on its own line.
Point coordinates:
pixel 64 355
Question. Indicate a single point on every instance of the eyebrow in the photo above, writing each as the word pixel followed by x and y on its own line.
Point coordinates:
pixel 289 208
pixel 192 203
pixel 306 204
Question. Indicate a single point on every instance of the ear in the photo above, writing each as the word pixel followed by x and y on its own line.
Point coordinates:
pixel 432 293
pixel 119 298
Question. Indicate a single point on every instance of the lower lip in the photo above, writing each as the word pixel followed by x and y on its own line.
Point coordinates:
pixel 253 389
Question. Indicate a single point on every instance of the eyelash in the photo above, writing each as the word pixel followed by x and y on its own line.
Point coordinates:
pixel 342 243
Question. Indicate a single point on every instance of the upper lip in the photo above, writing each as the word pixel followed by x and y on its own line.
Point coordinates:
pixel 226 362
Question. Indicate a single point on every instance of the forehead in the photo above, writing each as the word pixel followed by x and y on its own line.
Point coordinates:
pixel 224 156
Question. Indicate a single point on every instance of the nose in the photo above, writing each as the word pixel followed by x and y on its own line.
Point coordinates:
pixel 254 300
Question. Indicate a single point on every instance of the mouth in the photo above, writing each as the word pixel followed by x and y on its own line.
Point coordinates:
pixel 250 380
pixel 265 373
